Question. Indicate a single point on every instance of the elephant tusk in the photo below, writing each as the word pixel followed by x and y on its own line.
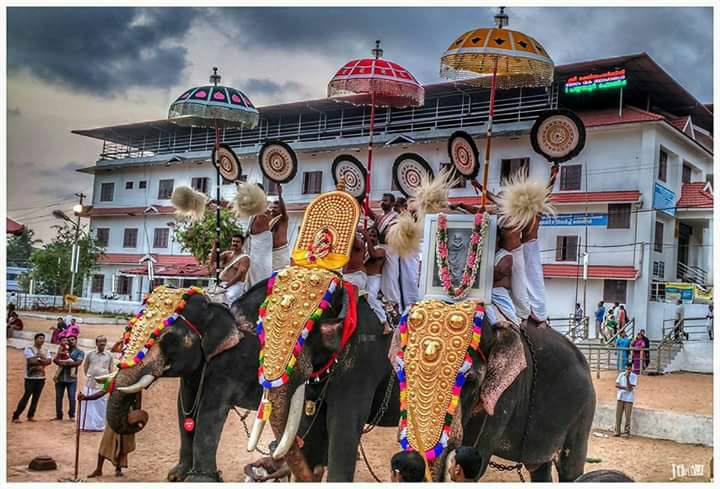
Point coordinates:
pixel 258 427
pixel 141 384
pixel 103 378
pixel 448 463
pixel 292 425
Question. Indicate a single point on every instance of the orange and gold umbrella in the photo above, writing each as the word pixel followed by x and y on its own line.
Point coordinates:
pixel 497 58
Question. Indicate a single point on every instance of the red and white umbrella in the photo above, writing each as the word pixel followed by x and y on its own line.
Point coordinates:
pixel 376 82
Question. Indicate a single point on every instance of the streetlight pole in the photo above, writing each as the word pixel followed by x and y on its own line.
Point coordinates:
pixel 76 247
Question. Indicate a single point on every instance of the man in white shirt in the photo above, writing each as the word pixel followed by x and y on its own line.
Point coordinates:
pixel 626 383
pixel 97 363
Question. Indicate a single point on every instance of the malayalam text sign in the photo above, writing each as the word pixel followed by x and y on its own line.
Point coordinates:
pixel 579 219
pixel 664 199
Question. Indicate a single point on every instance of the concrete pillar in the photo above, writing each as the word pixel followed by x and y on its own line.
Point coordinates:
pixel 707 241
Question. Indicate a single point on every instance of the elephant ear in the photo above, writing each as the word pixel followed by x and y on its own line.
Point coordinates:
pixel 506 361
pixel 221 332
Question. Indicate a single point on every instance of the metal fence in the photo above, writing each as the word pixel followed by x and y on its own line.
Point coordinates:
pixel 91 304
pixel 696 329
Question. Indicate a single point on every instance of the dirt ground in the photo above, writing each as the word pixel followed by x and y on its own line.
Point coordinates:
pixel 158 444
pixel 112 331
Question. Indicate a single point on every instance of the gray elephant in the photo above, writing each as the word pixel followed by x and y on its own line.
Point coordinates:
pixel 527 398
pixel 217 364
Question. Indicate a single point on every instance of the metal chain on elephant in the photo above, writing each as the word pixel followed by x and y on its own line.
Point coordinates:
pixel 383 406
pixel 243 417
pixel 508 468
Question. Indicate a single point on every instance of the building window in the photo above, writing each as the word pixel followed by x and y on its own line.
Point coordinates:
pixel 662 166
pixel 142 184
pixel 130 238
pixel 615 291
pixel 128 185
pixel 659 230
pixel 165 189
pixel 570 177
pixel 97 284
pixel 657 291
pixel 106 192
pixel 659 269
pixel 124 285
pixel 160 238
pixel 510 167
pixel 687 173
pixel 619 216
pixel 271 188
pixel 567 248
pixel 201 184
pixel 461 181
pixel 312 182
pixel 102 236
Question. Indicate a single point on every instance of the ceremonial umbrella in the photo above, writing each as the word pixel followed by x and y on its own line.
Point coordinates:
pixel 375 82
pixel 214 106
pixel 496 58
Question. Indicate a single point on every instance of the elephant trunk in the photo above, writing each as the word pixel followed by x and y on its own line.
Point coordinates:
pixel 285 421
pixel 440 467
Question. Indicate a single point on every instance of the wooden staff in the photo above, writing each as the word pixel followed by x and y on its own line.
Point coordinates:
pixel 77 438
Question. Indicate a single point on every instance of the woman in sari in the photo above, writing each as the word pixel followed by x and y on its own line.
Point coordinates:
pixel 637 353
pixel 622 343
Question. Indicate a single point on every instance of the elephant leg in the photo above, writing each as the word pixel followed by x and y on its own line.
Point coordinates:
pixel 209 423
pixel 543 473
pixel 345 421
pixel 178 473
pixel 571 464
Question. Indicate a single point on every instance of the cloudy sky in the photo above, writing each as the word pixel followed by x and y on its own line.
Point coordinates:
pixel 78 68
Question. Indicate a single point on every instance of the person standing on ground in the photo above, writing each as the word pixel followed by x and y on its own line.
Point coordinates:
pixel 66 378
pixel 407 466
pixel 622 343
pixel 599 317
pixel 73 329
pixel 709 319
pixel 679 325
pixel 646 349
pixel 638 345
pixel 37 357
pixel 579 313
pixel 58 331
pixel 279 227
pixel 466 465
pixel 98 362
pixel 626 383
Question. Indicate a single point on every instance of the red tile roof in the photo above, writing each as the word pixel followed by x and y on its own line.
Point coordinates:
pixel 130 211
pixel 680 122
pixel 557 270
pixel 611 116
pixel 134 259
pixel 13 227
pixel 693 195
pixel 170 270
pixel 706 141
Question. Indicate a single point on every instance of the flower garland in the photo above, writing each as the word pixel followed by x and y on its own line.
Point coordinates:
pixel 156 332
pixel 437 450
pixel 307 328
pixel 473 257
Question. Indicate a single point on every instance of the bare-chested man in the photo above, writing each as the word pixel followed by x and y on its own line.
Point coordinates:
pixel 235 266
pixel 354 272
pixel 374 266
pixel 260 248
pixel 279 227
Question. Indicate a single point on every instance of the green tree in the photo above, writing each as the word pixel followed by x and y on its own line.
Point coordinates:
pixel 197 237
pixel 51 263
pixel 19 248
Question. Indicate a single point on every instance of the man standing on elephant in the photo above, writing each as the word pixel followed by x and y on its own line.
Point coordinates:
pixel 235 265
pixel 260 245
pixel 279 227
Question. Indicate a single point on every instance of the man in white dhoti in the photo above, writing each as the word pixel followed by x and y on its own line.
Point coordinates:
pixel 236 265
pixel 374 263
pixel 279 226
pixel 260 246
pixel 97 362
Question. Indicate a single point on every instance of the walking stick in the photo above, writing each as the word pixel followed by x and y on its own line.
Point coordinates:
pixel 77 439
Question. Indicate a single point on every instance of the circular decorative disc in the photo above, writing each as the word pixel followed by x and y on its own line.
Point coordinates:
pixel 463 154
pixel 353 172
pixel 408 170
pixel 227 162
pixel 558 135
pixel 278 161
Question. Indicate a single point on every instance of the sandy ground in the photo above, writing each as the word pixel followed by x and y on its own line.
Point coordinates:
pixel 113 332
pixel 158 444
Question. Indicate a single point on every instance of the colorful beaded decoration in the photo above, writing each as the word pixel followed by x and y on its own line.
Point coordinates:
pixel 437 450
pixel 156 332
pixel 307 328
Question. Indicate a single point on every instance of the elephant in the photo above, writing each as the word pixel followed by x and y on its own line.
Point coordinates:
pixel 349 396
pixel 216 361
pixel 604 476
pixel 501 413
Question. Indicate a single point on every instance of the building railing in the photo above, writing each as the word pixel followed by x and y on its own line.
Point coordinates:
pixel 696 329
pixel 342 123
pixel 691 274
pixel 570 327
pixel 605 357
pixel 628 328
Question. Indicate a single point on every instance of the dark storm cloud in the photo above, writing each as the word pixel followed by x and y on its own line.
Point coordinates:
pixel 268 87
pixel 99 50
pixel 679 39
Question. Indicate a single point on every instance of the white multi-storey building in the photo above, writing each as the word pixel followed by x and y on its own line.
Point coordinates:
pixel 636 204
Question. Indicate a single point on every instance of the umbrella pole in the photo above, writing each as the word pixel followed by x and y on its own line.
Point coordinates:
pixel 217 209
pixel 488 137
pixel 370 152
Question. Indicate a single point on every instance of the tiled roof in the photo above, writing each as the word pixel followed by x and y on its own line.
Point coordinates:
pixel 692 195
pixel 611 116
pixel 170 270
pixel 13 227
pixel 134 259
pixel 130 211
pixel 680 122
pixel 557 270
pixel 706 141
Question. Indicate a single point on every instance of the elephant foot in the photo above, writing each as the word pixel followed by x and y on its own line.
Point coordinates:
pixel 178 473
pixel 198 476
